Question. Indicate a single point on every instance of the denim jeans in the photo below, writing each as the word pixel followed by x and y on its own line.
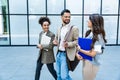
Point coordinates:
pixel 61 67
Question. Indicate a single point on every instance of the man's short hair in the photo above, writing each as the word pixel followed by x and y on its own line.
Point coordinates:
pixel 65 11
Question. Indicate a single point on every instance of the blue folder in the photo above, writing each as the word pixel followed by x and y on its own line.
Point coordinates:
pixel 85 43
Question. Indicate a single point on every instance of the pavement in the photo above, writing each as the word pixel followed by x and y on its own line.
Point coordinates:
pixel 19 63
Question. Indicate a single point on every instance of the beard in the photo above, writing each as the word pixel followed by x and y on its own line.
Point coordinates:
pixel 66 22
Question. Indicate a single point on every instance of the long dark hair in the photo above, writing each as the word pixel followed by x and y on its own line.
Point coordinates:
pixel 97 28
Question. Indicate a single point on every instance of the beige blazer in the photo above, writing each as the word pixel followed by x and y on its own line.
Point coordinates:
pixel 72 42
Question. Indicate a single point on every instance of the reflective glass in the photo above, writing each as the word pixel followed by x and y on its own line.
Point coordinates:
pixel 55 23
pixel 4 29
pixel 77 21
pixel 110 24
pixel 55 6
pixel 91 6
pixel 77 9
pixel 110 6
pixel 119 32
pixel 19 32
pixel 37 7
pixel 18 6
pixel 3 7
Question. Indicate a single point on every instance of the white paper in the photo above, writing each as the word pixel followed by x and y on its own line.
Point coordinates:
pixel 98 48
pixel 45 40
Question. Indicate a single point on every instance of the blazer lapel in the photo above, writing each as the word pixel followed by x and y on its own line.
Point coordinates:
pixel 48 33
pixel 68 33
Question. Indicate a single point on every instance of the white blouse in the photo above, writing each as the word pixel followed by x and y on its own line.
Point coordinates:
pixel 98 48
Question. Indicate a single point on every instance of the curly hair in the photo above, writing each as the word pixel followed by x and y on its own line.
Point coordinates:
pixel 43 19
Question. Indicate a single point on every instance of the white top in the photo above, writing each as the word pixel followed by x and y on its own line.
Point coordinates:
pixel 63 32
pixel 98 48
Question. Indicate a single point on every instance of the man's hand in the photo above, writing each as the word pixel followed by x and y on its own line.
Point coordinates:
pixel 65 44
pixel 55 42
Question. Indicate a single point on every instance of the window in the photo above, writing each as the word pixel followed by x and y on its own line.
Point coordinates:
pixel 4 28
pixel 19 18
pixel 18 27
pixel 92 6
pixel 37 7
pixel 107 7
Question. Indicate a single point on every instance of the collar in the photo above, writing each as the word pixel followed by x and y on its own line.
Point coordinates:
pixel 45 32
pixel 67 25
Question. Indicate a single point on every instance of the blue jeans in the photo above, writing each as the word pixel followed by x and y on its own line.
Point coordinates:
pixel 61 67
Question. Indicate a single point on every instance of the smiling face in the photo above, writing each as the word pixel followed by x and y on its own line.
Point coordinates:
pixel 45 26
pixel 66 18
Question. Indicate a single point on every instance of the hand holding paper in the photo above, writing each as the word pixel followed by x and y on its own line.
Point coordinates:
pixel 45 40
pixel 39 46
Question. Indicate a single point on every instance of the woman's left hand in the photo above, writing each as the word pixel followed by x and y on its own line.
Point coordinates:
pixel 79 57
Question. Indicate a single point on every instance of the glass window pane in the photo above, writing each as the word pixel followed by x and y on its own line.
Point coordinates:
pixel 108 6
pixel 18 27
pixel 3 17
pixel 55 6
pixel 37 6
pixel 4 29
pixel 1 24
pixel 18 6
pixel 91 6
pixel 119 32
pixel 55 23
pixel 110 24
pixel 77 9
pixel 77 21
pixel 34 29
pixel 3 7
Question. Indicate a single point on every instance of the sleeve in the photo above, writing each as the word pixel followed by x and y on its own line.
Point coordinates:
pixel 99 45
pixel 98 48
pixel 75 37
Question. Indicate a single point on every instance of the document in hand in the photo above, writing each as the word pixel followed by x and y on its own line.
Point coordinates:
pixel 85 43
pixel 45 40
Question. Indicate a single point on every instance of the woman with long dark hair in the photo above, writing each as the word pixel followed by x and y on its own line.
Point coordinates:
pixel 97 34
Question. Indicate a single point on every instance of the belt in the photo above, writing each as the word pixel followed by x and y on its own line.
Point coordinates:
pixel 62 51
